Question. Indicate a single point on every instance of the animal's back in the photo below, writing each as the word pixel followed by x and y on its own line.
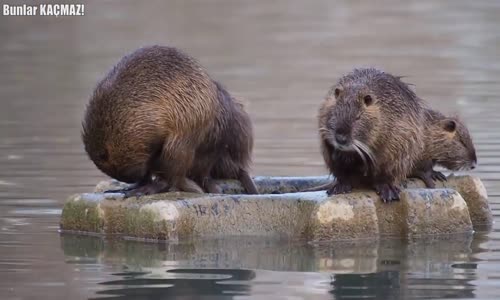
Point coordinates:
pixel 161 84
pixel 150 96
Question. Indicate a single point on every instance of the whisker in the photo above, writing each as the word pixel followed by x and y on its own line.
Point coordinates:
pixel 361 154
pixel 323 129
pixel 366 150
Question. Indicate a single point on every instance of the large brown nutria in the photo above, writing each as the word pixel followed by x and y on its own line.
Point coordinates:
pixel 232 141
pixel 372 132
pixel 158 120
pixel 447 144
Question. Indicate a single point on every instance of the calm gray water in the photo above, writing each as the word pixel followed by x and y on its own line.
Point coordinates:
pixel 281 56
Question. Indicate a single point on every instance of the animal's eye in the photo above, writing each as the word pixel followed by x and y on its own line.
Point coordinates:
pixel 337 92
pixel 368 100
pixel 450 125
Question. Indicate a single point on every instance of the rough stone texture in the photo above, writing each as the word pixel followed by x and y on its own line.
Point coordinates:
pixel 309 216
pixel 349 216
pixel 434 211
pixel 278 212
pixel 472 190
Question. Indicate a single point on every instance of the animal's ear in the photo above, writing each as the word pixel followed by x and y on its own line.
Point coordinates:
pixel 368 100
pixel 449 125
pixel 336 92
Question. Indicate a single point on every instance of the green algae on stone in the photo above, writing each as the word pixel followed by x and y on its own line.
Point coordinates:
pixel 391 217
pixel 304 215
pixel 141 223
pixel 116 218
pixel 81 215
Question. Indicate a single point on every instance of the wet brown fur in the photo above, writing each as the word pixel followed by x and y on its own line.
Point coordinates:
pixel 158 114
pixel 392 128
pixel 448 144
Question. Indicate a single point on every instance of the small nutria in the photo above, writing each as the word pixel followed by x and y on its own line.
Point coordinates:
pixel 447 144
pixel 158 120
pixel 372 132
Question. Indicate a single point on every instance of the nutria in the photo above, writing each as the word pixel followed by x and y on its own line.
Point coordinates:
pixel 158 120
pixel 372 133
pixel 447 144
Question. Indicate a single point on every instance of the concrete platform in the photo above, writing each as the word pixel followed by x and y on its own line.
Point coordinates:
pixel 281 211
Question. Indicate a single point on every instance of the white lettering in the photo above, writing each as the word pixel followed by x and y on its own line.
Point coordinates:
pixel 42 7
pixel 65 10
pixel 79 10
pixel 57 10
pixel 44 10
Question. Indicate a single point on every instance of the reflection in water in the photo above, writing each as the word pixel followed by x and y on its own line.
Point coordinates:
pixel 280 56
pixel 380 285
pixel 387 269
pixel 206 282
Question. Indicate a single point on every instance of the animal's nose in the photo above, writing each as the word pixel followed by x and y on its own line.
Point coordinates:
pixel 341 138
pixel 473 166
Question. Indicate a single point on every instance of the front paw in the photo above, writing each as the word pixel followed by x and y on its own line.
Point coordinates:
pixel 388 192
pixel 339 188
pixel 438 176
pixel 426 177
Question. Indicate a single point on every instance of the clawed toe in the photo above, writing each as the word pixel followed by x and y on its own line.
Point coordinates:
pixel 141 191
pixel 339 188
pixel 388 192
pixel 427 178
pixel 123 190
pixel 438 176
pixel 147 189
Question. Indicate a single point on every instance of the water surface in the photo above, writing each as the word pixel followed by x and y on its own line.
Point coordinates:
pixel 281 56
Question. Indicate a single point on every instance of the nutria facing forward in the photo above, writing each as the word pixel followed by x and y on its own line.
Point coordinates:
pixel 372 132
pixel 447 144
pixel 158 120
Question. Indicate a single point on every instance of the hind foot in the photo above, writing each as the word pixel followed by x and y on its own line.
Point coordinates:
pixel 438 176
pixel 124 190
pixel 143 189
pixel 133 187
pixel 210 186
pixel 339 188
pixel 387 192
pixel 247 182
pixel 189 186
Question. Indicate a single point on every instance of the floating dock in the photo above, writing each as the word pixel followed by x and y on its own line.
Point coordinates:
pixel 455 206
